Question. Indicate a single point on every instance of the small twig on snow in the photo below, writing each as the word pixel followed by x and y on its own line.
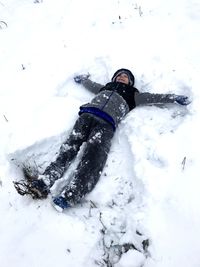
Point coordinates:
pixel 183 163
pixel 100 219
pixel 5 118
pixel 3 24
pixel 37 1
pixel 139 10
pixel 92 206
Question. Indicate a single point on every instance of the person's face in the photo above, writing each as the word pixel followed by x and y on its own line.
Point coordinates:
pixel 122 78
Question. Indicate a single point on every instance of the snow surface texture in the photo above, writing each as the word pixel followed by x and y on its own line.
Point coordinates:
pixel 150 186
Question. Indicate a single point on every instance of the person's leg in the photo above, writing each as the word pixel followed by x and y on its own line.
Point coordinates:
pixel 68 150
pixel 92 163
pixel 39 187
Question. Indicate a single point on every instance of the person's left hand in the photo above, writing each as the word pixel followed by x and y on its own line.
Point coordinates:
pixel 182 100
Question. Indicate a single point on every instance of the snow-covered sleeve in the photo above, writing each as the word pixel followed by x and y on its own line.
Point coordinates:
pixel 92 86
pixel 150 99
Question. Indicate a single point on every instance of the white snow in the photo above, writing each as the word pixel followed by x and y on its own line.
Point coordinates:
pixel 132 258
pixel 151 181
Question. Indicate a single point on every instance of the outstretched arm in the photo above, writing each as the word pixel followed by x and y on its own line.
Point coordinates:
pixel 153 99
pixel 92 86
pixel 87 83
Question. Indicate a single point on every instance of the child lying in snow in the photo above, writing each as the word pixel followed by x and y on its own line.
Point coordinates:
pixel 96 126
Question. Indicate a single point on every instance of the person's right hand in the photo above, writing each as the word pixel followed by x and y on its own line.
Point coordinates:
pixel 81 78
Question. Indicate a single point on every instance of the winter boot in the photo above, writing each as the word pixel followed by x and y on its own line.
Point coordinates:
pixel 36 188
pixel 60 203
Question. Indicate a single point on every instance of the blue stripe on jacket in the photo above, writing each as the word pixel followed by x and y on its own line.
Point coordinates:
pixel 98 112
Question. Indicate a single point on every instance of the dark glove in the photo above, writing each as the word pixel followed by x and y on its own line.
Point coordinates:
pixel 182 100
pixel 81 78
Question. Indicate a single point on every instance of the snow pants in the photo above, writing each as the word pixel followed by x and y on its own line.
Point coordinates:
pixel 97 134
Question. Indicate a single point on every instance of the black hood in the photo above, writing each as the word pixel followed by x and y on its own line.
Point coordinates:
pixel 128 72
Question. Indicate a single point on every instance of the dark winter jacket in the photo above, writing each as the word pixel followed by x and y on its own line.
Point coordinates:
pixel 114 100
